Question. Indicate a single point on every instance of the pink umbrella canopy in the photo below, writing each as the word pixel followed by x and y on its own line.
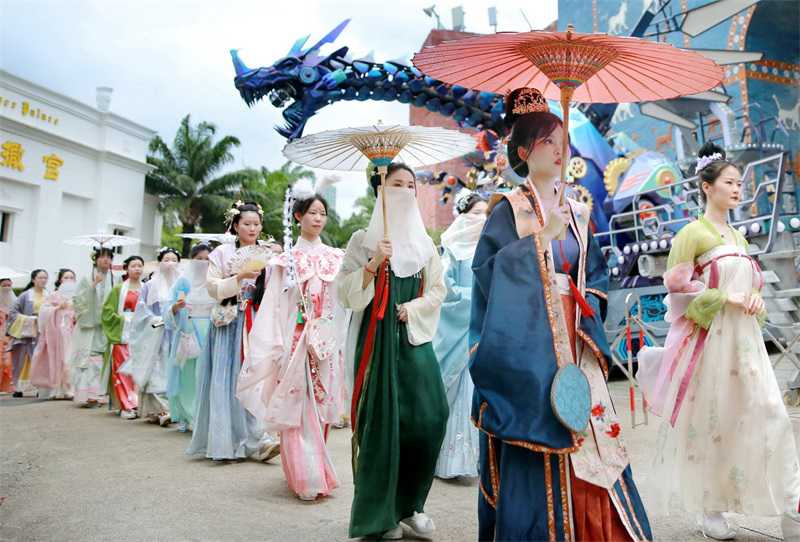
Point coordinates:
pixel 568 66
pixel 597 68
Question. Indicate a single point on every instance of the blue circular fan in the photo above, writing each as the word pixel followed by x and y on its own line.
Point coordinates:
pixel 571 398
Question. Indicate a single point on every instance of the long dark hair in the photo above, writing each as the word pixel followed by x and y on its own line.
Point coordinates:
pixel 127 262
pixel 59 278
pixel 246 207
pixel 33 277
pixel 526 131
pixel 198 248
pixel 471 201
pixel 166 250
pixel 712 171
pixel 375 178
pixel 102 251
pixel 301 206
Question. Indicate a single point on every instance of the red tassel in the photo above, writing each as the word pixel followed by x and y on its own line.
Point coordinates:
pixel 586 309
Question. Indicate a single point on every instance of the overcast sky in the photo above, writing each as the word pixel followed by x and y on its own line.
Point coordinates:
pixel 167 58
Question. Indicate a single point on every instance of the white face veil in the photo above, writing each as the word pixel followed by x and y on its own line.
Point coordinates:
pixel 7 298
pixel 462 236
pixel 412 247
pixel 161 283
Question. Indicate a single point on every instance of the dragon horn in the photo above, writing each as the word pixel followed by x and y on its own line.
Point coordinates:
pixel 237 63
pixel 297 48
pixel 330 37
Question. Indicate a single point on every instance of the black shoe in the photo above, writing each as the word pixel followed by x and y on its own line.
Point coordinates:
pixel 17 394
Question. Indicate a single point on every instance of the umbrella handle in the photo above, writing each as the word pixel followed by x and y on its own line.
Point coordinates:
pixel 566 95
pixel 382 170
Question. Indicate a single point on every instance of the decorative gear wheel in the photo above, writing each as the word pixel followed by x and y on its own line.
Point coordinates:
pixel 582 194
pixel 612 173
pixel 577 168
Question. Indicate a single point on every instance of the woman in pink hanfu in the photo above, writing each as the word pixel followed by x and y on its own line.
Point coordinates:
pixel 293 376
pixel 49 370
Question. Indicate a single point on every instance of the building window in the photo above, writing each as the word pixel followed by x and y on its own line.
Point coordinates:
pixel 117 231
pixel 5 226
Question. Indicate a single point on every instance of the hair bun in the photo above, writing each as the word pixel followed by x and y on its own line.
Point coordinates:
pixel 709 149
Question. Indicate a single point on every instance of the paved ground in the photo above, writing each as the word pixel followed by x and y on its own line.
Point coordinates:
pixel 70 474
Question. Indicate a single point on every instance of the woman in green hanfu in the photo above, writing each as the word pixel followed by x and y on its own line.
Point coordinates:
pixel 399 408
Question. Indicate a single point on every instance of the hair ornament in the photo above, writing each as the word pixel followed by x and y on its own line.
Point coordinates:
pixel 704 161
pixel 529 100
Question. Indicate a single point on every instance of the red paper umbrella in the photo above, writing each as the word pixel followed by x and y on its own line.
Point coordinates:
pixel 568 66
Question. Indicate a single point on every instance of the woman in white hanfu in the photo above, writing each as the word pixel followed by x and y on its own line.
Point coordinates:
pixel 726 444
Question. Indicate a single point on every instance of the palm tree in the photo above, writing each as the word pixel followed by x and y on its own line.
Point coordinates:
pixel 187 177
pixel 268 187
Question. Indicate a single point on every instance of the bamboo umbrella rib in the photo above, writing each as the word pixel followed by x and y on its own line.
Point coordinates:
pixel 645 81
pixel 666 66
pixel 465 75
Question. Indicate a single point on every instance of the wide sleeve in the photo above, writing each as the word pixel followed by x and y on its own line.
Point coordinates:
pixel 85 305
pixel 688 297
pixel 348 283
pixel 15 311
pixel 423 311
pixel 268 335
pixel 499 231
pixel 591 327
pixel 172 321
pixel 219 286
pixel 112 321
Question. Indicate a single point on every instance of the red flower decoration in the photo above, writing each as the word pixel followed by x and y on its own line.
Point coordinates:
pixel 613 430
pixel 598 410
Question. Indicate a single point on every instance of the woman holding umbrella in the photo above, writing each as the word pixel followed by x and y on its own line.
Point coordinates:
pixel 399 409
pixel 88 340
pixel 537 305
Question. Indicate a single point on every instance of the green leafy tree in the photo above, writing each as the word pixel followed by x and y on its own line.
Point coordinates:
pixel 189 181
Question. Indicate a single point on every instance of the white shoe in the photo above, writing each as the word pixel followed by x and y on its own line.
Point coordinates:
pixel 790 525
pixel 421 524
pixel 128 415
pixel 393 534
pixel 714 525
pixel 164 420
pixel 268 451
pixel 182 427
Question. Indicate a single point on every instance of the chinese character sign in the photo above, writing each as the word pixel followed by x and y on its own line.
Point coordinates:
pixel 11 155
pixel 52 163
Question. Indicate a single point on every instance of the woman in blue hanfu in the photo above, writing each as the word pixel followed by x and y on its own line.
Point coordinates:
pixel 188 318
pixel 150 341
pixel 459 454
pixel 223 429
pixel 537 305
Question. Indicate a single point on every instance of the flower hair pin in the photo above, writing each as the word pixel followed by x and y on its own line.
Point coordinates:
pixel 462 200
pixel 230 214
pixel 705 161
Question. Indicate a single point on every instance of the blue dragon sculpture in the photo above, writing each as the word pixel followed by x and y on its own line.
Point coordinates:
pixel 307 81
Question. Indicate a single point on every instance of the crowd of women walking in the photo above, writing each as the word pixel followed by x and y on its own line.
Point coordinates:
pixel 440 358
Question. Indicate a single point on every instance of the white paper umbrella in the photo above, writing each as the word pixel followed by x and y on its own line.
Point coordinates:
pixel 105 240
pixel 216 237
pixel 8 273
pixel 352 149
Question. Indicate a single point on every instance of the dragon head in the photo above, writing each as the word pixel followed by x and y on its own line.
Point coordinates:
pixel 294 80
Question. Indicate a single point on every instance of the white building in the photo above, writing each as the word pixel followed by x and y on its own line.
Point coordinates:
pixel 69 169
